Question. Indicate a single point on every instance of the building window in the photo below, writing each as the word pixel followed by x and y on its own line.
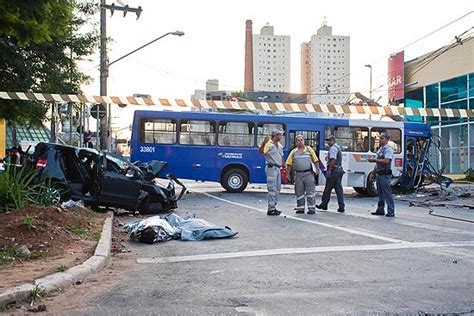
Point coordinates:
pixel 454 89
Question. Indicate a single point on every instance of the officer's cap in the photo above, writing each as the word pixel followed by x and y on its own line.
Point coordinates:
pixel 331 138
pixel 384 135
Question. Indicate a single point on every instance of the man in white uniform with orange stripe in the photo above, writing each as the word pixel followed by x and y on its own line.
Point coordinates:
pixel 273 151
pixel 302 159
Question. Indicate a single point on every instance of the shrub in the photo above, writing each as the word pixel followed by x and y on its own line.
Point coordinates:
pixel 469 174
pixel 18 189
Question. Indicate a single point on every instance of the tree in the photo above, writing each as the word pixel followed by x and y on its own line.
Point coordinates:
pixel 45 60
pixel 33 21
pixel 242 96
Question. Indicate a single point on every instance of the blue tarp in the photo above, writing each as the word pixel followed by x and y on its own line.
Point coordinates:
pixel 157 229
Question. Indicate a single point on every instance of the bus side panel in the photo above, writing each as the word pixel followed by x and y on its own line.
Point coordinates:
pixel 186 162
pixel 248 158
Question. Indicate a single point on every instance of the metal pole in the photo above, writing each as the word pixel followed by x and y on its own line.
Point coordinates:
pixel 69 109
pixel 97 133
pixel 103 74
pixel 370 92
pixel 53 123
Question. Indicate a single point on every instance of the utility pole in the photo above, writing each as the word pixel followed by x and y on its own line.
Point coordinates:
pixel 104 66
pixel 103 73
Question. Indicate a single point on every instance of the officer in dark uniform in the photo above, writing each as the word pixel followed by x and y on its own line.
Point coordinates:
pixel 383 176
pixel 334 175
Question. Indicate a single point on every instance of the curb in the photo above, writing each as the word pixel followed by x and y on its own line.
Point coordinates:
pixel 59 280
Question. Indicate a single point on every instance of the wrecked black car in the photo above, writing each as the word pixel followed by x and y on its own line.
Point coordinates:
pixel 104 179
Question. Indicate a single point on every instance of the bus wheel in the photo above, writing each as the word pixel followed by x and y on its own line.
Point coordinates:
pixel 234 180
pixel 371 187
pixel 361 191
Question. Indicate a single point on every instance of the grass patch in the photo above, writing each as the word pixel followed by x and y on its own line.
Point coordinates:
pixel 36 294
pixel 61 268
pixel 81 232
pixel 88 216
pixel 13 253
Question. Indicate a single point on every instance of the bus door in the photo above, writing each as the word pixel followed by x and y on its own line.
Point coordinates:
pixel 311 138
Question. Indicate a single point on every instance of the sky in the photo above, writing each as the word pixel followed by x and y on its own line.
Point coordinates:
pixel 213 44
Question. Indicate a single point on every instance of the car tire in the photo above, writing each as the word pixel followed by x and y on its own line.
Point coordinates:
pixel 371 187
pixel 361 191
pixel 234 180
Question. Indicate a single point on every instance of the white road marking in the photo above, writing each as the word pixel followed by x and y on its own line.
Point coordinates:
pixel 412 223
pixel 288 251
pixel 344 229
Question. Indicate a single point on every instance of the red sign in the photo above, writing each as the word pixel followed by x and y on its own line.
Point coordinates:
pixel 396 80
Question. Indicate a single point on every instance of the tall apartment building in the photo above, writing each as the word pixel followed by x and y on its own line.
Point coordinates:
pixel 271 61
pixel 325 67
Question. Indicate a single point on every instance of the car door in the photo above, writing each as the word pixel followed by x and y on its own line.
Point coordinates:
pixel 117 187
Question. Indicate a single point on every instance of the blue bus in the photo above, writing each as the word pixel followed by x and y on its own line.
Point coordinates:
pixel 223 147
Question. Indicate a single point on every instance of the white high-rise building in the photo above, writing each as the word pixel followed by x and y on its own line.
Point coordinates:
pixel 271 61
pixel 325 67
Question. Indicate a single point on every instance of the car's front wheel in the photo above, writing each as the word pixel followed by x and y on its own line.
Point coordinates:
pixel 234 180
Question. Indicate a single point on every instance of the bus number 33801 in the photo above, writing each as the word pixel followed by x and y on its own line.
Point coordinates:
pixel 147 149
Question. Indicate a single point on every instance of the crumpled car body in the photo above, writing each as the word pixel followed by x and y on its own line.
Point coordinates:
pixel 157 229
pixel 104 179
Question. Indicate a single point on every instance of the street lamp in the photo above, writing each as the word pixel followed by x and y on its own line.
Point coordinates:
pixel 370 91
pixel 177 33
pixel 105 64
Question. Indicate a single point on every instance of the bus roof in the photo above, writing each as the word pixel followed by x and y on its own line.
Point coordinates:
pixel 416 128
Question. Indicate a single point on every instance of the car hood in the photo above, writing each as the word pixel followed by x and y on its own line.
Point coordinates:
pixel 152 168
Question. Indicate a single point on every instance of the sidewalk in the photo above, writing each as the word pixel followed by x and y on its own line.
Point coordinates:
pixel 69 277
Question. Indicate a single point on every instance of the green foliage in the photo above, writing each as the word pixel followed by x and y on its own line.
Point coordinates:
pixel 61 268
pixel 16 185
pixel 469 175
pixel 36 294
pixel 43 60
pixel 77 230
pixel 18 189
pixel 242 96
pixel 28 221
pixel 35 21
pixel 12 253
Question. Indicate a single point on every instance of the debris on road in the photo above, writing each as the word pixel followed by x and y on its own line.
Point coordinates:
pixel 456 196
pixel 156 229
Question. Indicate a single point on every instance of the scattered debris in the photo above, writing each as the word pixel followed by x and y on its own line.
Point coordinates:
pixel 38 309
pixel 72 203
pixel 457 196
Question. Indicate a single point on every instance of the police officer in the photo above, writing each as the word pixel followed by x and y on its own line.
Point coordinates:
pixel 273 151
pixel 302 159
pixel 383 173
pixel 333 176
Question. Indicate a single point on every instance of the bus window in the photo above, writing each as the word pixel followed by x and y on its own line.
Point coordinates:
pixel 395 138
pixel 236 134
pixel 197 133
pixel 158 131
pixel 265 129
pixel 354 139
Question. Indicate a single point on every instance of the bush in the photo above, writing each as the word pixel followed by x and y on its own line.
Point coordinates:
pixel 18 189
pixel 469 174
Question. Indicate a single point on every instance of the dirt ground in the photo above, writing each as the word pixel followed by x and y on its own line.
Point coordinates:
pixel 78 297
pixel 57 239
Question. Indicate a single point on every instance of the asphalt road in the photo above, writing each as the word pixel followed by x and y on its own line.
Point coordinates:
pixel 328 263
